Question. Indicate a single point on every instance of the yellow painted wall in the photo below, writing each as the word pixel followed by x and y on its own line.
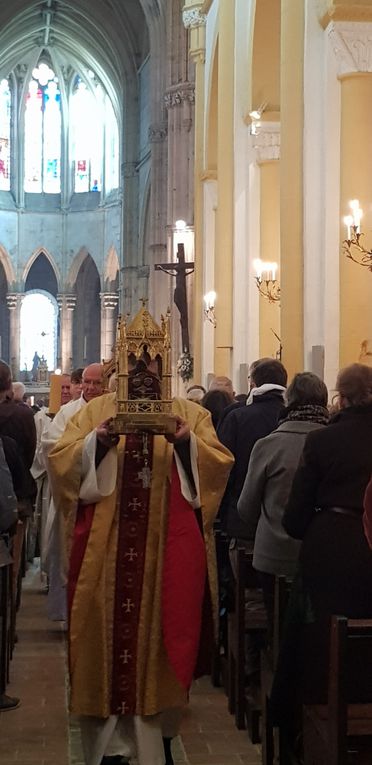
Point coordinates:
pixel 269 251
pixel 356 174
pixel 266 55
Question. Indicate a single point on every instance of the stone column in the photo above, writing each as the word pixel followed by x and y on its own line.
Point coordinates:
pixel 66 304
pixel 195 21
pixel 291 183
pixel 109 303
pixel 225 175
pixel 14 301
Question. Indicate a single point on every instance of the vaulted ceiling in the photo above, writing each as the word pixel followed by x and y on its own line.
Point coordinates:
pixel 112 37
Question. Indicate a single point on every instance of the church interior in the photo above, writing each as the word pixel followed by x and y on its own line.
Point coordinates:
pixel 210 157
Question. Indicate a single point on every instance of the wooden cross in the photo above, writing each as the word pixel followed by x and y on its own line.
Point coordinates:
pixel 180 270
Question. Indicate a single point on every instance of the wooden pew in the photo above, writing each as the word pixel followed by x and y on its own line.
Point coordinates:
pixel 271 744
pixel 332 731
pixel 242 622
pixel 5 621
pixel 219 658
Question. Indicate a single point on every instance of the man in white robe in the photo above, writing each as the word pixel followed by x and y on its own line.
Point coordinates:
pixel 92 386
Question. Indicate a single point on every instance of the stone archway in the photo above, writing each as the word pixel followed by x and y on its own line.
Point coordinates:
pixel 87 314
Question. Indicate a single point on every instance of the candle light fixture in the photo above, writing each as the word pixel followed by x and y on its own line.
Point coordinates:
pixel 352 245
pixel 267 283
pixel 209 301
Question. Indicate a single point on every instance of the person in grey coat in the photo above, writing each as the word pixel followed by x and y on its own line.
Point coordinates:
pixel 268 482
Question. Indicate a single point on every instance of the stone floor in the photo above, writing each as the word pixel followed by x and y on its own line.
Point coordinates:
pixel 39 733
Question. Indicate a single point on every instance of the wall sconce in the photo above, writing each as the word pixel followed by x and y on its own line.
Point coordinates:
pixel 209 301
pixel 358 254
pixel 267 283
pixel 255 116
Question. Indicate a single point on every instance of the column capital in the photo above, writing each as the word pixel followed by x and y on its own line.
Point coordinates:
pixel 179 94
pixel 352 45
pixel 109 299
pixel 192 16
pixel 266 142
pixel 13 299
pixel 66 300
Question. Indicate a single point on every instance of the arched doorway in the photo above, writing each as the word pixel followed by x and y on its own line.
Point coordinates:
pixel 87 314
pixel 39 319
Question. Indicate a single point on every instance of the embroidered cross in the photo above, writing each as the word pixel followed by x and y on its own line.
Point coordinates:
pixel 144 475
pixel 135 504
pixel 125 656
pixel 123 708
pixel 131 555
pixel 127 605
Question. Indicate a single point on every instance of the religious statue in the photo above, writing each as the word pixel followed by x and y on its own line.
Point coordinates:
pixel 35 366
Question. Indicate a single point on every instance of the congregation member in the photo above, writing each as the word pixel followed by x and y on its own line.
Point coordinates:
pixel 195 393
pixel 76 385
pixel 91 385
pixel 16 421
pixel 216 402
pixel 242 427
pixel 221 382
pixel 266 489
pixel 324 510
pixel 19 391
pixel 139 515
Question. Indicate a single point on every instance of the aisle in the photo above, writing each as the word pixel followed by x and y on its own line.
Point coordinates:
pixel 38 733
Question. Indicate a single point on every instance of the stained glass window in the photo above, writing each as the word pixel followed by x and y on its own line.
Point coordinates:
pixel 86 125
pixel 5 111
pixel 43 132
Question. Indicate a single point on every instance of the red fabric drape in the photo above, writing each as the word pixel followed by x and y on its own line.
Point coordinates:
pixel 184 576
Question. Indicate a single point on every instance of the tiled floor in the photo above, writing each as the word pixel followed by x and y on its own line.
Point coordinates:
pixel 38 733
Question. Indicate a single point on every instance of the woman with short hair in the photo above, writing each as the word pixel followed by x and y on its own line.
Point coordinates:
pixel 272 465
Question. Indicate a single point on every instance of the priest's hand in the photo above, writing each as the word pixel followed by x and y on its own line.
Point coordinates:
pixel 182 432
pixel 105 437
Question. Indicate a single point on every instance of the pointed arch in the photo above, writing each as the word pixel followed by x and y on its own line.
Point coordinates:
pixel 111 270
pixel 87 314
pixel 41 251
pixel 75 266
pixel 8 267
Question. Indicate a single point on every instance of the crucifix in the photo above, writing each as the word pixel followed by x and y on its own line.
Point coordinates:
pixel 180 270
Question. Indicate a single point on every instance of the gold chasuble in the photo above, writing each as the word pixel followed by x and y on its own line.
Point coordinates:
pixel 140 561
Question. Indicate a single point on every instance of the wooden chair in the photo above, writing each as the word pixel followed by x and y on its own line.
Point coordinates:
pixel 269 657
pixel 334 730
pixel 242 622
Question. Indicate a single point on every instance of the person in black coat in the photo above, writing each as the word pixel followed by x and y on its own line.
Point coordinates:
pixel 325 510
pixel 242 427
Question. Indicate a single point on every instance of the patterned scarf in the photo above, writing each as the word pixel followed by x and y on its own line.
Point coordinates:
pixel 308 413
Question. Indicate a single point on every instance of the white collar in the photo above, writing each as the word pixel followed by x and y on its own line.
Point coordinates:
pixel 265 388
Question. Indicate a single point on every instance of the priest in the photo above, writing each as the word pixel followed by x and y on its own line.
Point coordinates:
pixel 138 516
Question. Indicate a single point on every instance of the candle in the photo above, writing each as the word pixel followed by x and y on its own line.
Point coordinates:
pixel 85 347
pixel 349 220
pixel 258 266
